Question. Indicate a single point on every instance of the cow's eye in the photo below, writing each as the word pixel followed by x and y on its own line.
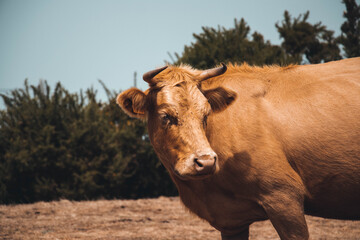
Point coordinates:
pixel 205 121
pixel 168 120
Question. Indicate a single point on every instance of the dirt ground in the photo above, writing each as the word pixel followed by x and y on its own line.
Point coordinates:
pixel 161 218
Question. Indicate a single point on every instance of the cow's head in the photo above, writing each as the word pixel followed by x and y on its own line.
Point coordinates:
pixel 177 110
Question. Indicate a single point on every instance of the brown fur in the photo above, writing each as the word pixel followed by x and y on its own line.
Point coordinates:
pixel 287 140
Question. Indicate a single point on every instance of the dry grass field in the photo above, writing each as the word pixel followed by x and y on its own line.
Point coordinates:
pixel 161 218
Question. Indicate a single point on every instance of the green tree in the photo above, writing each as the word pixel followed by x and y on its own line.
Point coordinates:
pixel 303 39
pixel 350 29
pixel 213 46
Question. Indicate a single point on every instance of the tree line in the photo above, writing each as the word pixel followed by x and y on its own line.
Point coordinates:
pixel 55 144
pixel 302 42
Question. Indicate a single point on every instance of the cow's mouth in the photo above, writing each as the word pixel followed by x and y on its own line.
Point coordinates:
pixel 199 170
pixel 197 176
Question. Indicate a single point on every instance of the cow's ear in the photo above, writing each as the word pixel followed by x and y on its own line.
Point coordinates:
pixel 132 101
pixel 219 98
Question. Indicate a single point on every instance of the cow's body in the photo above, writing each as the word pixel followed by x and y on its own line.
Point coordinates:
pixel 291 138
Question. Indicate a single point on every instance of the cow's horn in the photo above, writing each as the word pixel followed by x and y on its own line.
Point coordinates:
pixel 149 75
pixel 212 72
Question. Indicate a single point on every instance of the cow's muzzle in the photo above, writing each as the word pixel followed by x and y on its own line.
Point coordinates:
pixel 197 165
pixel 205 163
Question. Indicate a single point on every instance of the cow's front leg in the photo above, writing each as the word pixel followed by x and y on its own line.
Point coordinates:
pixel 244 235
pixel 286 213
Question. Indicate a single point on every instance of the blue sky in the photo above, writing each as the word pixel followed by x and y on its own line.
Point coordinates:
pixel 78 42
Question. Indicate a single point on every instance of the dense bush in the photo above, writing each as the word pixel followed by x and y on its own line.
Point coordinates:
pixel 61 145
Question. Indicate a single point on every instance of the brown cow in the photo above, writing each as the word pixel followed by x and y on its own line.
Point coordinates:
pixel 245 144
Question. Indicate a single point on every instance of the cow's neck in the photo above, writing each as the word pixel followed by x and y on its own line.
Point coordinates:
pixel 205 198
pixel 195 195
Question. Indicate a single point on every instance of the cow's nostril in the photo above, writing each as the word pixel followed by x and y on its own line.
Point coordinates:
pixel 204 164
pixel 199 164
